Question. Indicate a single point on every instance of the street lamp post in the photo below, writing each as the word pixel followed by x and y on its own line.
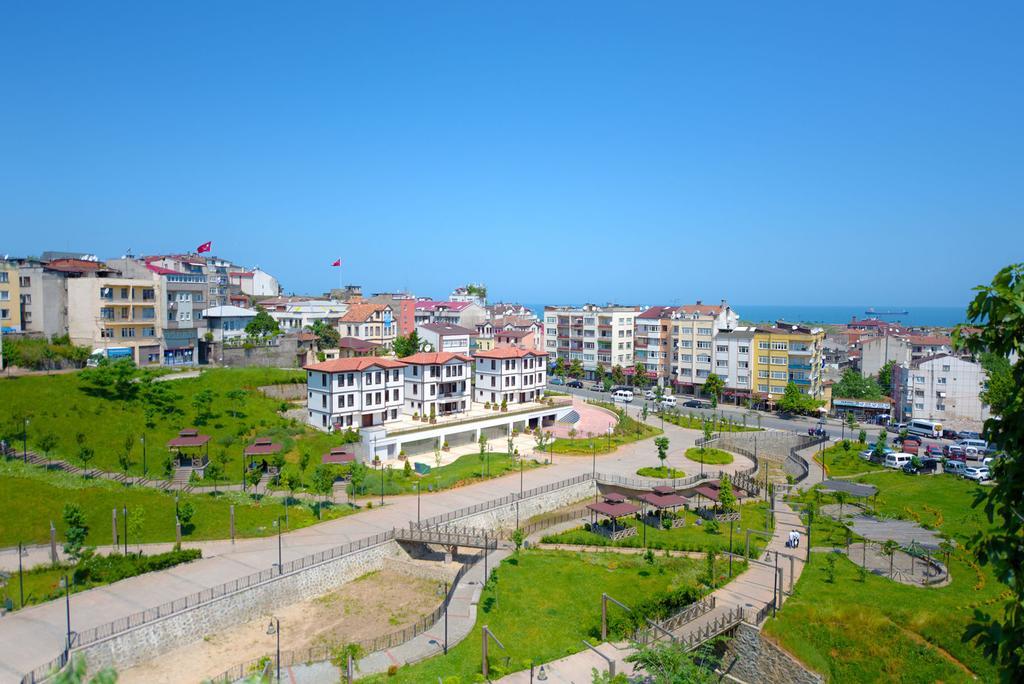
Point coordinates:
pixel 67 609
pixel 275 628
pixel 145 468
pixel 21 576
pixel 417 504
pixel 124 510
pixel 593 449
pixel 24 441
pixel 280 559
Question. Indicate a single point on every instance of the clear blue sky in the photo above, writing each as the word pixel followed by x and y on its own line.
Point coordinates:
pixel 638 152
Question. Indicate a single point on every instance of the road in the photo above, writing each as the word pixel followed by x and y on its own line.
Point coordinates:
pixel 33 636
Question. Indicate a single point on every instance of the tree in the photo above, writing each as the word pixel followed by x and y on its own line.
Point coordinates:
pixel 997 327
pixel 853 385
pixel 158 399
pixel 186 512
pixel 842 497
pixel 713 386
pixel 639 375
pixel 709 433
pixel 46 442
pixel 726 496
pixel 75 530
pixel 202 402
pixel 124 459
pixel 304 460
pixel 998 390
pixel 323 482
pixel 851 422
pixel 114 379
pixel 560 368
pixel 327 336
pixel 85 454
pixel 879 450
pixel 293 482
pixel 262 325
pixel 517 538
pixel 885 377
pixel 669 662
pixel 795 401
pixel 862 436
pixel 889 548
pixel 236 400
pixel 644 413
pixel 606 383
pixel 599 374
pixel 213 472
pixel 576 368
pixel 618 375
pixel 406 345
pixel 662 445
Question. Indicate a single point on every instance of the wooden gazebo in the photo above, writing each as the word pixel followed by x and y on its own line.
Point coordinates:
pixel 339 455
pixel 190 449
pixel 259 450
pixel 613 507
pixel 665 498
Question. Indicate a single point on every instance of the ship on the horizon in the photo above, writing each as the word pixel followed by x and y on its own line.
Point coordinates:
pixel 872 312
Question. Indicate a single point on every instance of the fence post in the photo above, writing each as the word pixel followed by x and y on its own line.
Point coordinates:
pixel 53 543
pixel 113 528
pixel 232 523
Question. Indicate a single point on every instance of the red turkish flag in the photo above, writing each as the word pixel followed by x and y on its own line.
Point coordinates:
pixel 205 247
pixel 337 262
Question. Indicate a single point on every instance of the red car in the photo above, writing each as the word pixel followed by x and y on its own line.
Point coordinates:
pixel 911 446
pixel 933 450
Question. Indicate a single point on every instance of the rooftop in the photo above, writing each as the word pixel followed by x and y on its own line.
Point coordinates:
pixel 446 329
pixel 359 312
pixel 432 358
pixel 508 353
pixel 433 305
pixel 352 365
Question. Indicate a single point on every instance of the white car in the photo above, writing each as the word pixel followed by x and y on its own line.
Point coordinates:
pixel 650 394
pixel 979 474
pixel 866 454
pixel 668 402
pixel 623 396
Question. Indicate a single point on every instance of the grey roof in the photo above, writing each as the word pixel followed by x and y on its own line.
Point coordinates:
pixel 852 488
pixel 447 329
pixel 229 311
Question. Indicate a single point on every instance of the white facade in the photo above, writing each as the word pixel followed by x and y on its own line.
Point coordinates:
pixel 299 315
pixel 593 334
pixel 262 284
pixel 226 322
pixel 943 388
pixel 512 375
pixel 443 337
pixel 733 360
pixel 354 393
pixel 437 380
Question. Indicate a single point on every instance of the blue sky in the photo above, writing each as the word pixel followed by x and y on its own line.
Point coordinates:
pixel 638 152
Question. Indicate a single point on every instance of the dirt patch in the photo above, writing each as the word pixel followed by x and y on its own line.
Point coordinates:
pixel 373 605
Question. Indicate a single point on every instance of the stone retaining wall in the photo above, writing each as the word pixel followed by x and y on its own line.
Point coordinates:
pixel 155 638
pixel 752 658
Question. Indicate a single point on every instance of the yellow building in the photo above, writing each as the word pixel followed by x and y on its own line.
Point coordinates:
pixel 787 353
pixel 10 297
pixel 118 316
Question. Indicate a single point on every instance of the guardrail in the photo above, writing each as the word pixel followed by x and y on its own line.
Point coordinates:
pixel 648 635
pixel 467 536
pixel 372 645
pixel 799 461
pixel 720 624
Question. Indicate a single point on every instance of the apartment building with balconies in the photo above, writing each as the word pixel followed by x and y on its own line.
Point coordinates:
pixel 116 316
pixel 355 392
pixel 944 388
pixel 784 353
pixel 441 381
pixel 510 374
pixel 10 297
pixel 593 334
pixel 734 362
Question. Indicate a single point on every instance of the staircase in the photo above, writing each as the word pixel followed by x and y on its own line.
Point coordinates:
pixel 570 418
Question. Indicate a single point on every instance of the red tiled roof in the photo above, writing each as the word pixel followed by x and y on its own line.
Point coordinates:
pixel 350 365
pixel 75 265
pixel 664 500
pixel 360 312
pixel 356 344
pixel 262 447
pixel 508 353
pixel 513 333
pixel 338 456
pixel 707 491
pixel 614 510
pixel 431 358
pixel 929 340
pixel 188 438
pixel 656 312
pixel 306 336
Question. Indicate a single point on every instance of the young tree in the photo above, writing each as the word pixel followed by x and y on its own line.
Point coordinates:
pixel 517 538
pixel 124 458
pixel 599 374
pixel 327 336
pixel 639 375
pixel 85 454
pixel 213 472
pixel 262 325
pixel 726 496
pixel 75 530
pixel 560 367
pixel 186 513
pixel 113 379
pixel 885 377
pixel 304 459
pixel 576 368
pixel 862 437
pixel 713 386
pixel 709 432
pixel 851 422
pixel 606 383
pixel 644 413
pixel 889 548
pixel 662 445
pixel 406 345
pixel 236 402
pixel 46 442
pixel 879 451
pixel 842 497
pixel 618 375
pixel 202 402
pixel 323 483
pixel 293 483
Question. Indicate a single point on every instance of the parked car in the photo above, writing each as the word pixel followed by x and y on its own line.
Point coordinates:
pixel 597 387
pixel 896 460
pixel 954 451
pixel 897 428
pixel 867 453
pixel 911 446
pixel 924 465
pixel 624 396
pixel 668 402
pixel 978 474
pixel 649 394
pixel 972 447
pixel 575 384
pixel 555 380
pixel 934 451
pixel 694 403
pixel 950 434
pixel 954 467
pixel 817 432
pixel 966 434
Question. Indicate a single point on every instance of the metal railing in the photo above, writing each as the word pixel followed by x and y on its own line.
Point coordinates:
pixel 648 635
pixel 464 536
pixel 799 461
pixel 320 653
pixel 720 624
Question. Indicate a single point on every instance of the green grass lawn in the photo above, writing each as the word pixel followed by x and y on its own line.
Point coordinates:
pixel 33 498
pixel 883 631
pixel 709 455
pixel 660 471
pixel 692 537
pixel 462 471
pixel 841 461
pixel 66 407
pixel 627 431
pixel 696 422
pixel 541 604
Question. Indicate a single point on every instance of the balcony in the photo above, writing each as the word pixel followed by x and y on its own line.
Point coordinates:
pixel 800 366
pixel 801 352
pixel 800 381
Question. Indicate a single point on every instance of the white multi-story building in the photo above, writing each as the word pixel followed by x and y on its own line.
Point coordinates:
pixel 593 334
pixel 733 362
pixel 510 374
pixel 440 380
pixel 445 337
pixel 295 314
pixel 354 393
pixel 370 322
pixel 943 388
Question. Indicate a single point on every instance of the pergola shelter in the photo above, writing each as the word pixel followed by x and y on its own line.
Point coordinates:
pixel 665 498
pixel 191 449
pixel 338 456
pixel 259 450
pixel 613 507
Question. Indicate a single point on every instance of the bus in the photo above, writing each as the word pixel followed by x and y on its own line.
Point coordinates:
pixel 925 428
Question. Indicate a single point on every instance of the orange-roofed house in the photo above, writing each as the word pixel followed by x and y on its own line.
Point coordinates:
pixel 510 374
pixel 355 392
pixel 370 321
pixel 438 381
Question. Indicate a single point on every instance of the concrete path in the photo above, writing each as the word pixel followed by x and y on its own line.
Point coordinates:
pixel 33 636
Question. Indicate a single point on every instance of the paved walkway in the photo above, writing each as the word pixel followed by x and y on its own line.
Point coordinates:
pixel 33 636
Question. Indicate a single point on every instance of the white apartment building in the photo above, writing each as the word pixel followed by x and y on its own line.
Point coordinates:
pixel 295 314
pixel 354 393
pixel 445 337
pixel 733 361
pixel 593 334
pixel 676 343
pixel 510 374
pixel 466 314
pixel 943 388
pixel 440 380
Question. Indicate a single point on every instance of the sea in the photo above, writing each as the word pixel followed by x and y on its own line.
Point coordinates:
pixel 915 316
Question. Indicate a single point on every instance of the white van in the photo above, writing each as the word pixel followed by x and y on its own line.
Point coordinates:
pixel 896 460
pixel 972 447
pixel 623 395
pixel 668 402
pixel 954 467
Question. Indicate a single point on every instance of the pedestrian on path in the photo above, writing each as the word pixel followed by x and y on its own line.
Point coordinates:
pixel 796 538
